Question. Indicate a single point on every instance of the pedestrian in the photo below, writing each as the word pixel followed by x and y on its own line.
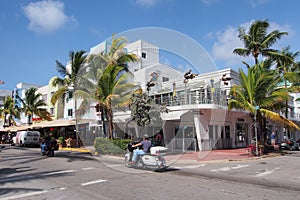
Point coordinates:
pixel 159 139
pixel 273 138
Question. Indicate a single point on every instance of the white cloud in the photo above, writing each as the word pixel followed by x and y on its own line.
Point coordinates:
pixel 209 2
pixel 146 3
pixel 46 16
pixel 255 3
pixel 228 40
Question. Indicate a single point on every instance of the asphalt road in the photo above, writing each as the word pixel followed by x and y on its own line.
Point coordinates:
pixel 25 174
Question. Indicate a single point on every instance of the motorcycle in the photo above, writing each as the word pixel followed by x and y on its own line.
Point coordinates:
pixel 289 144
pixel 47 149
pixel 153 161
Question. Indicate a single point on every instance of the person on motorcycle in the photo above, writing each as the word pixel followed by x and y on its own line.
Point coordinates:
pixel 146 144
pixel 43 147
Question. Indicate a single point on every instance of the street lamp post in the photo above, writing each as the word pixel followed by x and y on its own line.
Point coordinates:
pixel 149 85
pixel 255 129
pixel 188 75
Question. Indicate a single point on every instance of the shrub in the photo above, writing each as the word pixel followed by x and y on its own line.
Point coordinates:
pixel 111 146
pixel 61 140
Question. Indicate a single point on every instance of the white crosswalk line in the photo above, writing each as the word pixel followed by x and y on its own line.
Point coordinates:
pixel 194 166
pixel 88 168
pixel 59 172
pixel 266 172
pixel 27 194
pixel 224 169
pixel 93 182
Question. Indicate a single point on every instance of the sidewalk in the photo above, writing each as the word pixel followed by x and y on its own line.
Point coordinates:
pixel 194 157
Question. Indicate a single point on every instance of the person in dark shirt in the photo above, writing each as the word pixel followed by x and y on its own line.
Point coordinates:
pixel 146 144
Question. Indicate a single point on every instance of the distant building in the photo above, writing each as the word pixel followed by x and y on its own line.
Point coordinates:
pixel 19 93
pixel 3 95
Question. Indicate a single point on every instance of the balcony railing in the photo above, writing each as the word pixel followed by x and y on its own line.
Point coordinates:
pixel 192 97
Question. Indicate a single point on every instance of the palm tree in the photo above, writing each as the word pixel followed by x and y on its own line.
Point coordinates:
pixel 259 87
pixel 9 111
pixel 117 60
pixel 104 81
pixel 286 66
pixel 256 40
pixel 68 74
pixel 33 105
pixel 91 91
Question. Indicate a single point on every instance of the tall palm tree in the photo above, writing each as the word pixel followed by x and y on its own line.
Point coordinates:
pixel 33 105
pixel 105 79
pixel 286 67
pixel 110 72
pixel 259 87
pixel 68 75
pixel 9 111
pixel 117 60
pixel 257 41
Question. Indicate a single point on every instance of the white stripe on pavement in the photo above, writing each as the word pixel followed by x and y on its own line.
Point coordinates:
pixel 27 194
pixel 59 172
pixel 93 182
pixel 88 168
pixel 194 166
pixel 224 169
pixel 116 165
pixel 266 172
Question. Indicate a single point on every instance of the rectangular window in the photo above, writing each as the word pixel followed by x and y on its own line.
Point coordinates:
pixel 143 55
pixel 51 111
pixel 165 79
pixel 70 112
pixel 44 97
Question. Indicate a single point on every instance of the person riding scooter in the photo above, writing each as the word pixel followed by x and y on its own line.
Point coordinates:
pixel 146 144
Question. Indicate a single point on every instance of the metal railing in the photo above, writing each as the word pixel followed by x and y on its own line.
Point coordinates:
pixel 191 97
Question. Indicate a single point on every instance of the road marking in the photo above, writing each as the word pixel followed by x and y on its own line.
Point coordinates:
pixel 88 168
pixel 27 194
pixel 194 166
pixel 266 172
pixel 93 182
pixel 59 172
pixel 224 169
pixel 116 165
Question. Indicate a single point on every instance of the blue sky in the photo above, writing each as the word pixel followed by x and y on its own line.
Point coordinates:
pixel 34 34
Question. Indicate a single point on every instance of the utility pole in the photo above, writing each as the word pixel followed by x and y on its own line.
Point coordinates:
pixel 255 129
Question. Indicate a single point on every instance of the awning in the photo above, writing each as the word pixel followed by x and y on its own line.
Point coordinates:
pixel 54 123
pixel 122 118
pixel 42 124
pixel 17 128
pixel 173 115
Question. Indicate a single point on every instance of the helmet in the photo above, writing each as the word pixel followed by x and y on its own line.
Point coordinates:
pixel 146 136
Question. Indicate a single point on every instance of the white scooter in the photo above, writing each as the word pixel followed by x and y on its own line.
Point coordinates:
pixel 153 161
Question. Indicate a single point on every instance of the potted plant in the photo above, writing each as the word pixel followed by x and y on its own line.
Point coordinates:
pixel 61 142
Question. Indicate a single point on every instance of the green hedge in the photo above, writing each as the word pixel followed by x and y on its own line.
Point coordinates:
pixel 111 146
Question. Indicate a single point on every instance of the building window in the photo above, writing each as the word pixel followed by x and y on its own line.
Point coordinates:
pixel 44 97
pixel 70 112
pixel 51 111
pixel 143 55
pixel 165 79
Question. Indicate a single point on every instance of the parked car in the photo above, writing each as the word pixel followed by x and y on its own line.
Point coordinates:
pixel 289 144
pixel 26 138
